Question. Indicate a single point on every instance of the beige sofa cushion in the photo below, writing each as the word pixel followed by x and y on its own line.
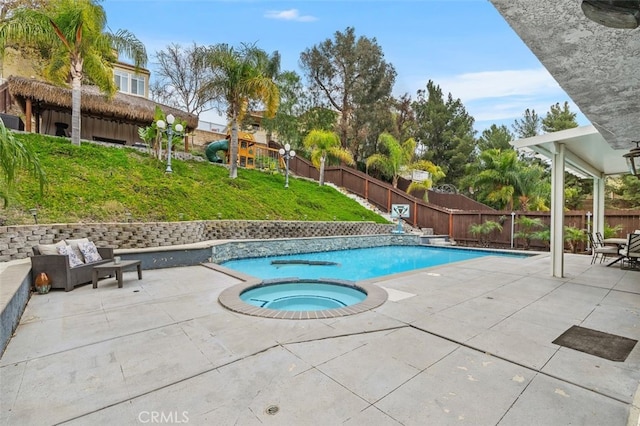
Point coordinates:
pixel 49 249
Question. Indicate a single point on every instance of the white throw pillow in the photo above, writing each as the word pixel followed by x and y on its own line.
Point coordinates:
pixel 49 249
pixel 74 245
pixel 74 260
pixel 90 252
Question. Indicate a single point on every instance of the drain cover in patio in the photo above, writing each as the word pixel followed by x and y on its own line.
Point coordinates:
pixel 598 343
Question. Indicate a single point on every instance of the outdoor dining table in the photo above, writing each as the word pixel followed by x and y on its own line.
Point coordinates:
pixel 620 242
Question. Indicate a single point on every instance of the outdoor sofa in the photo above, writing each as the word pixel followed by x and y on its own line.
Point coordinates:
pixel 58 268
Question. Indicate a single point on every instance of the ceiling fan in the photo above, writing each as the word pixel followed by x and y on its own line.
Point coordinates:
pixel 623 14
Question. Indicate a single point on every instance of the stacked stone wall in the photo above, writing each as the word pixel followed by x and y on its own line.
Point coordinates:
pixel 16 242
pixel 263 248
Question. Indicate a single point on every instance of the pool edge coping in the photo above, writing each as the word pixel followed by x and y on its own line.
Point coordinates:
pixel 230 299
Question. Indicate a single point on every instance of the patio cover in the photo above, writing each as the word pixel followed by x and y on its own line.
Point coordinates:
pixel 583 151
pixel 597 67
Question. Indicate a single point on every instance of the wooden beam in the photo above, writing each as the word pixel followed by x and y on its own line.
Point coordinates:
pixel 28 114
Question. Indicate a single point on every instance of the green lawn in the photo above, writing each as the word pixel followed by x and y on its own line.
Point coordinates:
pixel 91 183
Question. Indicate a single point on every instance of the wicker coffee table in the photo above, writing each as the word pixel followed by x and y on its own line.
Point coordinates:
pixel 116 268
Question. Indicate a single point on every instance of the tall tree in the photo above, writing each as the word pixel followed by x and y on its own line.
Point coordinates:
pixel 15 156
pixel 180 78
pixel 444 131
pixel 528 126
pixel 317 118
pixel 346 74
pixel 286 122
pixel 324 144
pixel 630 192
pixel 370 121
pixel 404 117
pixel 559 118
pixel 495 138
pixel 399 159
pixel 73 33
pixel 239 78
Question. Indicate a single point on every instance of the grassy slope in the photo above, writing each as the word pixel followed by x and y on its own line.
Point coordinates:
pixel 92 183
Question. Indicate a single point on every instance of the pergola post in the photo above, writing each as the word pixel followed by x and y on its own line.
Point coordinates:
pixel 598 204
pixel 557 210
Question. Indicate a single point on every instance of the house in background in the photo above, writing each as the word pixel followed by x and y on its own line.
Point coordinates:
pixel 31 104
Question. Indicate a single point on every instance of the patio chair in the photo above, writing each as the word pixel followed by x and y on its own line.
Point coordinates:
pixel 631 253
pixel 598 248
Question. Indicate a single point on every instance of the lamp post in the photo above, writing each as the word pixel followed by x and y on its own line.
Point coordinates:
pixel 34 213
pixel 169 129
pixel 287 153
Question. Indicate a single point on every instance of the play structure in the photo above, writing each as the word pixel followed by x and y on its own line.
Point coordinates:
pixel 246 150
pixel 214 147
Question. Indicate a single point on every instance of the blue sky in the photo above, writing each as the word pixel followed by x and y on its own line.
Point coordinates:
pixel 464 46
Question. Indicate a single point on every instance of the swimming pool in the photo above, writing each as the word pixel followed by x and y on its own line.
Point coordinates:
pixel 355 264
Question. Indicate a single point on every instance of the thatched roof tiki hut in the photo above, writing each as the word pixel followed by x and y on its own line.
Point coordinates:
pixel 114 120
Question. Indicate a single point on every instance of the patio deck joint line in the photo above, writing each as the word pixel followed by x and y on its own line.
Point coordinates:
pixel 539 371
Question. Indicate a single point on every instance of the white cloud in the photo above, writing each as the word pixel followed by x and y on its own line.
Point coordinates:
pixel 289 15
pixel 498 84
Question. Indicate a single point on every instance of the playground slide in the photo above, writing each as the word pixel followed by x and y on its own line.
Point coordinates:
pixel 212 150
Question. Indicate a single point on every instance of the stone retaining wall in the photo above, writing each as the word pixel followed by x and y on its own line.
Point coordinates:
pixel 16 242
pixel 246 249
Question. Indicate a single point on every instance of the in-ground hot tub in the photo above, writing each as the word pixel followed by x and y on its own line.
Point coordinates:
pixel 302 299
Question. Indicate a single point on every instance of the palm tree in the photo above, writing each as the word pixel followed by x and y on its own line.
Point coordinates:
pixel 497 174
pixel 72 35
pixel 528 229
pixel 15 156
pixel 534 188
pixel 325 144
pixel 482 231
pixel 399 160
pixel 501 178
pixel 239 77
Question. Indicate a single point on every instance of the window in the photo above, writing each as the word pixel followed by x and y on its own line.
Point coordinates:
pixel 137 85
pixel 129 83
pixel 122 81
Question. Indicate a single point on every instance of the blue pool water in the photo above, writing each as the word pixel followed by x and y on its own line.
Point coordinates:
pixel 355 264
pixel 302 296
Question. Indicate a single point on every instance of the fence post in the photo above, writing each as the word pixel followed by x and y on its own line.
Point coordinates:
pixel 513 226
pixel 366 188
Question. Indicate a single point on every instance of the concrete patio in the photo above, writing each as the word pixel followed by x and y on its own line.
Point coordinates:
pixel 467 343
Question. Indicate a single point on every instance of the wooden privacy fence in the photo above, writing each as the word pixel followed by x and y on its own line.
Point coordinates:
pixel 453 221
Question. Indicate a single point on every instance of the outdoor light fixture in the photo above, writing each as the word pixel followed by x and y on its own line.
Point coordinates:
pixel 34 213
pixel 287 153
pixel 622 14
pixel 633 160
pixel 170 130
